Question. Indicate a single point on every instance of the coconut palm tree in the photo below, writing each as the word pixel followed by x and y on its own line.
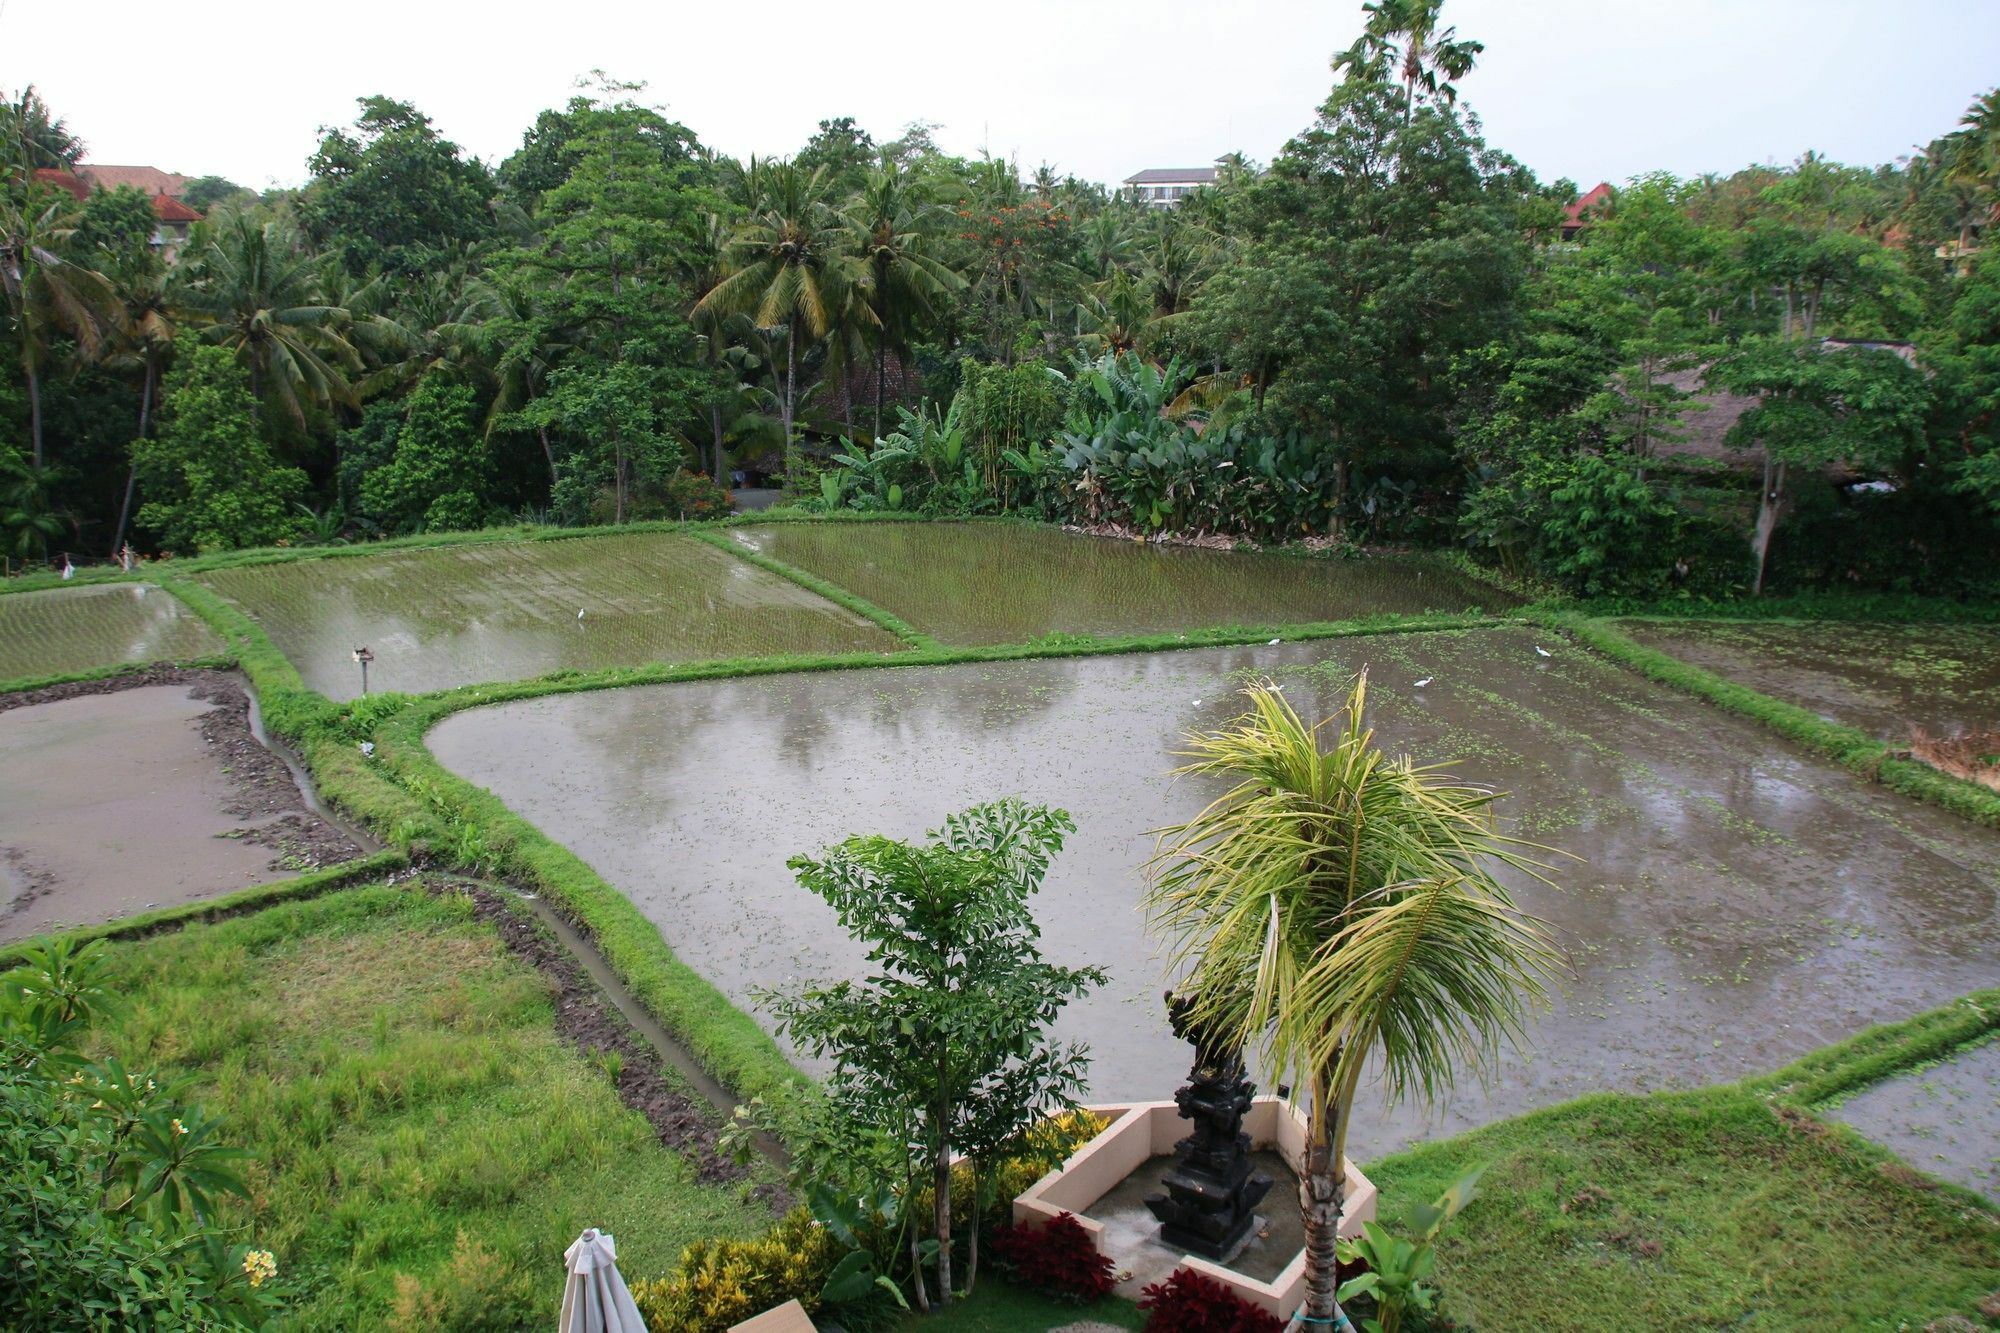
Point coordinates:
pixel 789 266
pixel 257 291
pixel 1337 907
pixel 45 291
pixel 901 280
pixel 146 312
pixel 1405 34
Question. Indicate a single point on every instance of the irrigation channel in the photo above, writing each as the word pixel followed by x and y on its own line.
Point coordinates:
pixel 1736 902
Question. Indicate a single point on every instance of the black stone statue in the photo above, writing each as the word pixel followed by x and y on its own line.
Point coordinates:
pixel 1211 1189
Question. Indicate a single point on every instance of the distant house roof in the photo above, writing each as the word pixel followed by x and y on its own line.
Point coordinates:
pixel 63 180
pixel 165 207
pixel 1173 176
pixel 148 180
pixel 1574 220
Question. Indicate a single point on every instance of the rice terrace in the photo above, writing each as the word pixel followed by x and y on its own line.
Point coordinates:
pixel 873 739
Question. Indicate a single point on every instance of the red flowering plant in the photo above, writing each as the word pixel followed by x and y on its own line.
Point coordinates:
pixel 1058 1260
pixel 1187 1302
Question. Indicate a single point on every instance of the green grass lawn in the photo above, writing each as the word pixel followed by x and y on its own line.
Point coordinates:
pixel 397 1075
pixel 1708 1209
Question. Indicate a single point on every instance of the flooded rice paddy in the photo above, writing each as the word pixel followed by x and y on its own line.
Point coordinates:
pixel 113 803
pixel 1738 903
pixel 65 630
pixel 506 611
pixel 1944 1118
pixel 988 583
pixel 1881 678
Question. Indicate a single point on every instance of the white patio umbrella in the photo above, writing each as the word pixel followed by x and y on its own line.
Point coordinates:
pixel 595 1299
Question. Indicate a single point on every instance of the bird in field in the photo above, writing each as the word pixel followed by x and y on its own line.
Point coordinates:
pixel 579 613
pixel 1543 651
pixel 1425 681
pixel 1275 642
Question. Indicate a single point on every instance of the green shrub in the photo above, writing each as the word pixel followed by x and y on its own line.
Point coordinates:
pixel 723 1282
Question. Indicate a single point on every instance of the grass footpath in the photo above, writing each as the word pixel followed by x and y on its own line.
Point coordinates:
pixel 424 1142
pixel 1723 1207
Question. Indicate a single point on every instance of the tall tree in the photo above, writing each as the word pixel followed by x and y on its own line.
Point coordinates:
pixel 790 268
pixel 47 291
pixel 255 289
pixel 1404 35
pixel 393 193
pixel 1337 906
pixel 901 281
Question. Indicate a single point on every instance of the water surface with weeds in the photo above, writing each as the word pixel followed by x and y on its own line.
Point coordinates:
pixel 1881 678
pixel 1738 904
pixel 987 583
pixel 509 610
pixel 1943 1118
pixel 63 630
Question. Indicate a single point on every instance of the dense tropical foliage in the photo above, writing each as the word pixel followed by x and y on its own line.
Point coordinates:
pixel 1785 377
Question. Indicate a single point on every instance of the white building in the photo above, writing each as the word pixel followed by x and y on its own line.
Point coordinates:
pixel 1163 187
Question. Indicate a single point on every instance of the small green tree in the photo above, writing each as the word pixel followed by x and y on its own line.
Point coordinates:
pixel 1862 406
pixel 209 478
pixel 944 1049
pixel 438 475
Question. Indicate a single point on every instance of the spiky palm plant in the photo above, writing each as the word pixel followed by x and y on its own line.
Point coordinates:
pixel 1337 907
pixel 789 266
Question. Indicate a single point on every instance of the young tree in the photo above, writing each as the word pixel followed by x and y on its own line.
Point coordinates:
pixel 209 478
pixel 944 1049
pixel 1338 906
pixel 440 470
pixel 1863 406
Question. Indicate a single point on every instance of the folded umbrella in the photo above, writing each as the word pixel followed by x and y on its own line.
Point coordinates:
pixel 595 1299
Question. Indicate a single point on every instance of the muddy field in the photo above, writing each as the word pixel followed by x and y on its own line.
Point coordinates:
pixel 459 615
pixel 63 630
pixel 1883 679
pixel 120 796
pixel 986 583
pixel 1737 903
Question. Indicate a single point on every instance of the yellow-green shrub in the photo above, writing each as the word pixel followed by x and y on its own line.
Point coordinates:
pixel 723 1282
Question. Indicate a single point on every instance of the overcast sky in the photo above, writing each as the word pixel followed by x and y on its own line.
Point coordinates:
pixel 1589 89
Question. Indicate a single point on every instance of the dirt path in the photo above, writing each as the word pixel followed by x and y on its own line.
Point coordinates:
pixel 142 791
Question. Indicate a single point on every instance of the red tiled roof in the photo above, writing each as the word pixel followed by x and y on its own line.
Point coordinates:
pixel 165 207
pixel 63 180
pixel 1573 214
pixel 151 180
pixel 170 209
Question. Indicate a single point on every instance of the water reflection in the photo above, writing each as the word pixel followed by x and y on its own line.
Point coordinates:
pixel 506 611
pixel 1737 904
pixel 985 583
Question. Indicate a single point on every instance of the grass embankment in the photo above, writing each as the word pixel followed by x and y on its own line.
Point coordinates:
pixel 1853 749
pixel 1731 1206
pixel 397 1075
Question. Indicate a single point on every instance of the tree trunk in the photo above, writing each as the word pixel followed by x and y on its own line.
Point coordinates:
pixel 791 387
pixel 972 1240
pixel 132 472
pixel 941 1210
pixel 1322 1197
pixel 548 452
pixel 34 407
pixel 618 479
pixel 879 344
pixel 1770 508
pixel 917 1275
pixel 715 430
